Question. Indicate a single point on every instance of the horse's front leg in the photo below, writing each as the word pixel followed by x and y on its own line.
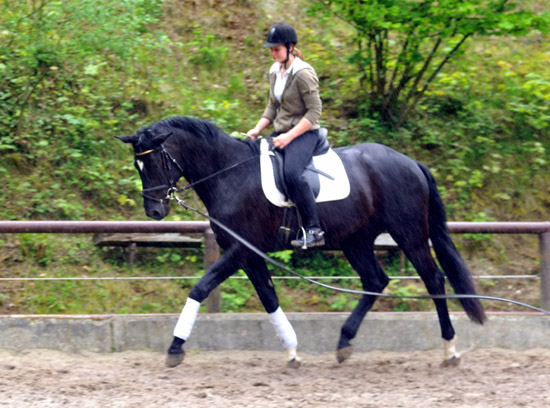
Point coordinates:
pixel 258 274
pixel 220 271
pixel 287 335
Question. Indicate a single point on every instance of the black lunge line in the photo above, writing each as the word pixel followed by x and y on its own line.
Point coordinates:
pixel 344 290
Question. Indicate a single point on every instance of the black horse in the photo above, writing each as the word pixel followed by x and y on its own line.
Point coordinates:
pixel 389 192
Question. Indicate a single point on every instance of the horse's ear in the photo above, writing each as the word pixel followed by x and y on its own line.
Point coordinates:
pixel 159 139
pixel 128 139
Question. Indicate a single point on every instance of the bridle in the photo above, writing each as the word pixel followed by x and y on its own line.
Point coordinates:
pixel 171 188
pixel 167 162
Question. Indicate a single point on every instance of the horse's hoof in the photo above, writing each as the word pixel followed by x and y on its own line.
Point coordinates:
pixel 294 363
pixel 174 360
pixel 344 353
pixel 454 361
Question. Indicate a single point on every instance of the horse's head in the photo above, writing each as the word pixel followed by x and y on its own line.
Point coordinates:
pixel 159 172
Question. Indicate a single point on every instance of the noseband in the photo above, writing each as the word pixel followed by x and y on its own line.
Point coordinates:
pixel 167 162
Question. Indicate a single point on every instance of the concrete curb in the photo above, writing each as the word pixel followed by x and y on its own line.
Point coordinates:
pixel 317 332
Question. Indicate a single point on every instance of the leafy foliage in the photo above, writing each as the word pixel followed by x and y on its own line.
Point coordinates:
pixel 400 47
pixel 69 70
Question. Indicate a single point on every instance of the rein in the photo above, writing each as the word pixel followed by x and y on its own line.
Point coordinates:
pixel 172 188
pixel 191 185
pixel 171 194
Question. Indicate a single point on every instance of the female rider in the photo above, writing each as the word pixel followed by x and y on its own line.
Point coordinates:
pixel 294 108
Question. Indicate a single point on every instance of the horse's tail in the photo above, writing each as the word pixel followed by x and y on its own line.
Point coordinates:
pixel 448 256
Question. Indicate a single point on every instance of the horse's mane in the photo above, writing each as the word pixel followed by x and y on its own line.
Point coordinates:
pixel 199 127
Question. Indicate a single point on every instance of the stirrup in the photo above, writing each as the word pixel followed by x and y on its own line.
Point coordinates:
pixel 304 237
pixel 312 238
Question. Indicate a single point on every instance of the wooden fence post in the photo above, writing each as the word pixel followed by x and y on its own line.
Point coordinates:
pixel 211 255
pixel 544 242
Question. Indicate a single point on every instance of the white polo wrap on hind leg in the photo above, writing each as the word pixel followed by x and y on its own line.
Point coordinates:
pixel 187 319
pixel 449 348
pixel 283 328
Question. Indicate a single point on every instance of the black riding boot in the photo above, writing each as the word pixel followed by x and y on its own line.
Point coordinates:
pixel 313 235
pixel 296 156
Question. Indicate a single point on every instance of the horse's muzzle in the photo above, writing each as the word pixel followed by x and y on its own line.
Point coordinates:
pixel 156 211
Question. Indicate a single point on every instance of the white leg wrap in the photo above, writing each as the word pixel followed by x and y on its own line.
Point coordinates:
pixel 449 348
pixel 291 354
pixel 283 328
pixel 187 319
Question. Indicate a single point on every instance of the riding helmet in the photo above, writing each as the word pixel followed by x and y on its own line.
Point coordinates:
pixel 281 34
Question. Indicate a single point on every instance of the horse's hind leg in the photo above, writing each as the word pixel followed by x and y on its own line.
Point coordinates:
pixel 360 253
pixel 420 256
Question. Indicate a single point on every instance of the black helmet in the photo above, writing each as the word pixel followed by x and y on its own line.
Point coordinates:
pixel 281 34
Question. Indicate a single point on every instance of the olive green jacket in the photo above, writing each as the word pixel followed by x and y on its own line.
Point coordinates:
pixel 300 98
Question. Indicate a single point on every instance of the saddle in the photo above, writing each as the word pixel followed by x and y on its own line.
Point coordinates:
pixel 325 173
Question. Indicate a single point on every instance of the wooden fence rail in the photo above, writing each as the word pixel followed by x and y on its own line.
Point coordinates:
pixel 542 229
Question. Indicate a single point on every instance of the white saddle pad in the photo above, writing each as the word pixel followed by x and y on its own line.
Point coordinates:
pixel 329 163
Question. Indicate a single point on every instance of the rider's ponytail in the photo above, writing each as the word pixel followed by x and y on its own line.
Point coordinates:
pixel 297 53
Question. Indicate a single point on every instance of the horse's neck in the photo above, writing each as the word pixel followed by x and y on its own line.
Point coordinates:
pixel 204 158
